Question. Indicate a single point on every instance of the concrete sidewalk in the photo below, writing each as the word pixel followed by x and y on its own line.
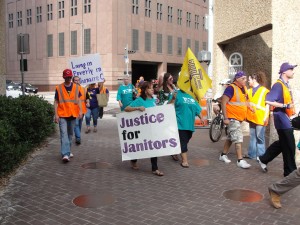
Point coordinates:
pixel 107 191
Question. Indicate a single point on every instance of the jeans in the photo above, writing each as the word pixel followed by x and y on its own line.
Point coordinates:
pixel 257 141
pixel 286 146
pixel 77 129
pixel 91 113
pixel 66 128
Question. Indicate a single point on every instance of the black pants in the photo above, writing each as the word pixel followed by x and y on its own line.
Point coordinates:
pixel 286 146
pixel 100 112
pixel 153 163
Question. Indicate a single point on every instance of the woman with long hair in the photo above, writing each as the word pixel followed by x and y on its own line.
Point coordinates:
pixel 167 89
pixel 144 101
pixel 258 116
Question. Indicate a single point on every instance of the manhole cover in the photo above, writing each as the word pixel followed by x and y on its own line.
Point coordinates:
pixel 200 162
pixel 96 165
pixel 242 195
pixel 94 201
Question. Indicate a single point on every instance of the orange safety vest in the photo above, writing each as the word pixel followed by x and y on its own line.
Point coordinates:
pixel 83 99
pixel 258 105
pixel 67 102
pixel 236 107
pixel 287 99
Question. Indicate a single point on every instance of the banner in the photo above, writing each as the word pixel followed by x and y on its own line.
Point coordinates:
pixel 193 78
pixel 147 134
pixel 87 68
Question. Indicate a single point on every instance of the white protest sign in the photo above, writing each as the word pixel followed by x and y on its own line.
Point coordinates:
pixel 147 134
pixel 87 68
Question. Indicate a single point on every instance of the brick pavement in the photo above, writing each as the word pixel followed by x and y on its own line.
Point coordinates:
pixel 42 191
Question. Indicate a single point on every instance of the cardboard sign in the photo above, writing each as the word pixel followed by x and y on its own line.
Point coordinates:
pixel 147 134
pixel 87 68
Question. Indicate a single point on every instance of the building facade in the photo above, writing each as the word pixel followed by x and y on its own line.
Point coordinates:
pixel 256 35
pixel 2 48
pixel 157 32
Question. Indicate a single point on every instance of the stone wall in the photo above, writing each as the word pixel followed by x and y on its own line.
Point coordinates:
pixel 286 43
pixel 264 32
pixel 233 18
pixel 2 48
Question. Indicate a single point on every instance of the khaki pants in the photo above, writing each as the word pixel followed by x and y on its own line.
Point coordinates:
pixel 287 183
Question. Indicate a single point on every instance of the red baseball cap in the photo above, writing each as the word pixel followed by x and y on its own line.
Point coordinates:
pixel 67 73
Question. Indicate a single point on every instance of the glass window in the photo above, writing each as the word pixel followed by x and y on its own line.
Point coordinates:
pixel 148 41
pixel 74 42
pixel 135 39
pixel 61 44
pixel 50 45
pixel 87 41
pixel 159 43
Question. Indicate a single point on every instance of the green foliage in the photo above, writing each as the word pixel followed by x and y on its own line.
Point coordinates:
pixel 24 123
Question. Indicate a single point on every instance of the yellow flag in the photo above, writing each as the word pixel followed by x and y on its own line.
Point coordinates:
pixel 193 78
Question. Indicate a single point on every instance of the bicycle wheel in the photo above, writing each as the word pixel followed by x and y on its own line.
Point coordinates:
pixel 215 129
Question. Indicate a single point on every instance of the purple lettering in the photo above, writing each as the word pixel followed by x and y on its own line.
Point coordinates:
pixel 160 117
pixel 172 142
pixel 157 144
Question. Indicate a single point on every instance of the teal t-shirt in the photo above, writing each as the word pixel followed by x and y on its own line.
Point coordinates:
pixel 149 102
pixel 125 95
pixel 187 108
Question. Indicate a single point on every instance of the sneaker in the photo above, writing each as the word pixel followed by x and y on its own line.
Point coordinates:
pixel 243 164
pixel 71 155
pixel 262 165
pixel 66 159
pixel 224 158
pixel 275 199
pixel 78 142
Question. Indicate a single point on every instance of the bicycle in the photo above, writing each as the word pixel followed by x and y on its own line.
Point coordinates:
pixel 216 126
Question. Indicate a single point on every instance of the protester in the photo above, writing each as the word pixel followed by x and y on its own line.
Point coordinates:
pixel 186 108
pixel 155 90
pixel 218 96
pixel 92 107
pixel 258 117
pixel 67 107
pixel 103 90
pixel 234 106
pixel 280 97
pixel 167 88
pixel 282 186
pixel 144 101
pixel 78 122
pixel 125 93
pixel 164 93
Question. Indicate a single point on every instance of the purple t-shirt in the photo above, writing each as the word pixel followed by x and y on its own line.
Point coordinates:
pixel 229 91
pixel 254 90
pixel 92 95
pixel 281 120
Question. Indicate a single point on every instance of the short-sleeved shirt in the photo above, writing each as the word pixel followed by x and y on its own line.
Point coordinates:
pixel 281 120
pixel 91 94
pixel 187 108
pixel 149 102
pixel 254 90
pixel 125 95
pixel 229 91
